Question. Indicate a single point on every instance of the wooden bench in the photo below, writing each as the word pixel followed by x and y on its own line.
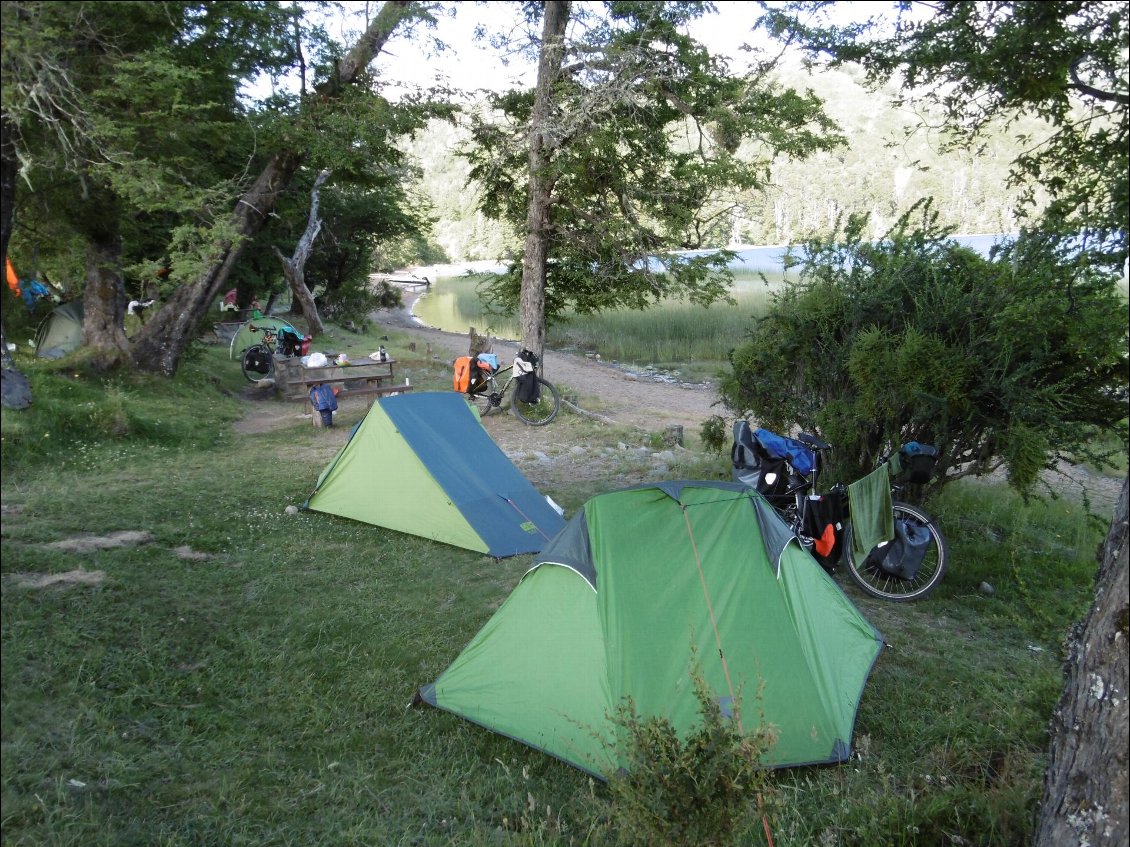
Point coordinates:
pixel 362 378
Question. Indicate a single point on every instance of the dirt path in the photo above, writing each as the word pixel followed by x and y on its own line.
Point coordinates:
pixel 647 402
pixel 637 399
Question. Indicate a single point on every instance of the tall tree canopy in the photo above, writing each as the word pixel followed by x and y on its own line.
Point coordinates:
pixel 625 153
pixel 984 64
pixel 124 118
pixel 130 126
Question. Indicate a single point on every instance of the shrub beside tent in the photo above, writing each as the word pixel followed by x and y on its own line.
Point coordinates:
pixel 422 463
pixel 615 605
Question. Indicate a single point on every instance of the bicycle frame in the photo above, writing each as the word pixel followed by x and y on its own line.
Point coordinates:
pixel 889 571
pixel 488 383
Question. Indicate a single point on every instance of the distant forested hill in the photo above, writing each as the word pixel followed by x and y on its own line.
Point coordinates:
pixel 882 171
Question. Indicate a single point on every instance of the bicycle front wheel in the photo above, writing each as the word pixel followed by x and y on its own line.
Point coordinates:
pixel 485 399
pixel 257 363
pixel 878 581
pixel 543 411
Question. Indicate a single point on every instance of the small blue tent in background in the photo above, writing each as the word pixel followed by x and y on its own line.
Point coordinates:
pixel 422 463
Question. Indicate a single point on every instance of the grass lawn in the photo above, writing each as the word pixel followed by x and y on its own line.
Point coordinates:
pixel 237 675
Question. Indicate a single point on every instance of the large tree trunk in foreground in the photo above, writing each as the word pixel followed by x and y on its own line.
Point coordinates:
pixel 166 335
pixel 536 256
pixel 102 308
pixel 294 269
pixel 1085 786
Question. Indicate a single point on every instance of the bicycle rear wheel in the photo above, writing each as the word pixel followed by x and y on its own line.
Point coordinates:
pixel 541 412
pixel 257 364
pixel 870 575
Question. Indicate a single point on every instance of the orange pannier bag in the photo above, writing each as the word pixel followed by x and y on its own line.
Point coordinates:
pixel 462 380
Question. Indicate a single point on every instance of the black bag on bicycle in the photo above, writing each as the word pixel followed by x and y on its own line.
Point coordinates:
pixel 824 518
pixel 917 462
pixel 527 389
pixel 903 556
pixel 756 468
pixel 258 360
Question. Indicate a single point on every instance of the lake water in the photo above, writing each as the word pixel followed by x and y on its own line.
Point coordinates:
pixel 450 303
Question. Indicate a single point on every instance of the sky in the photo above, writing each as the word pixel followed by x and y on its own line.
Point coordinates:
pixel 470 64
pixel 467 63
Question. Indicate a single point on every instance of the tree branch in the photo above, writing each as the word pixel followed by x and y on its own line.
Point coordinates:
pixel 1097 93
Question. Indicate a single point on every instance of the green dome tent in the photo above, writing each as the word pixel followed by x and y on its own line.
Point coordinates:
pixel 618 602
pixel 60 332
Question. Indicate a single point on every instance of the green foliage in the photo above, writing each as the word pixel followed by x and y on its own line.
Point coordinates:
pixel 415 249
pixel 354 302
pixel 159 137
pixel 700 789
pixel 642 160
pixel 1019 359
pixel 1063 63
pixel 715 434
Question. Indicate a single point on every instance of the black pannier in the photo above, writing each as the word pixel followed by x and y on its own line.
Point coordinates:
pixel 525 366
pixel 754 467
pixel 917 462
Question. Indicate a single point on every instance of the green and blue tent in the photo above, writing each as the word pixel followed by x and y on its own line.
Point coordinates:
pixel 422 463
pixel 640 586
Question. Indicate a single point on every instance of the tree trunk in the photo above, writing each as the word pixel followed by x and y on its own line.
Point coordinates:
pixel 1085 785
pixel 165 337
pixel 103 311
pixel 536 256
pixel 294 269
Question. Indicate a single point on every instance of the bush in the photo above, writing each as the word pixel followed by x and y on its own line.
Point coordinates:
pixel 701 790
pixel 1014 360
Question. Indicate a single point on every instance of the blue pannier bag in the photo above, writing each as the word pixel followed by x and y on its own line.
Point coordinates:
pixel 796 453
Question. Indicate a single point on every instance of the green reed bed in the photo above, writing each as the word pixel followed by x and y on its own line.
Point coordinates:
pixel 668 334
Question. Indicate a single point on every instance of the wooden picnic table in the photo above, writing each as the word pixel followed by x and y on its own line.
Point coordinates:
pixel 364 377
